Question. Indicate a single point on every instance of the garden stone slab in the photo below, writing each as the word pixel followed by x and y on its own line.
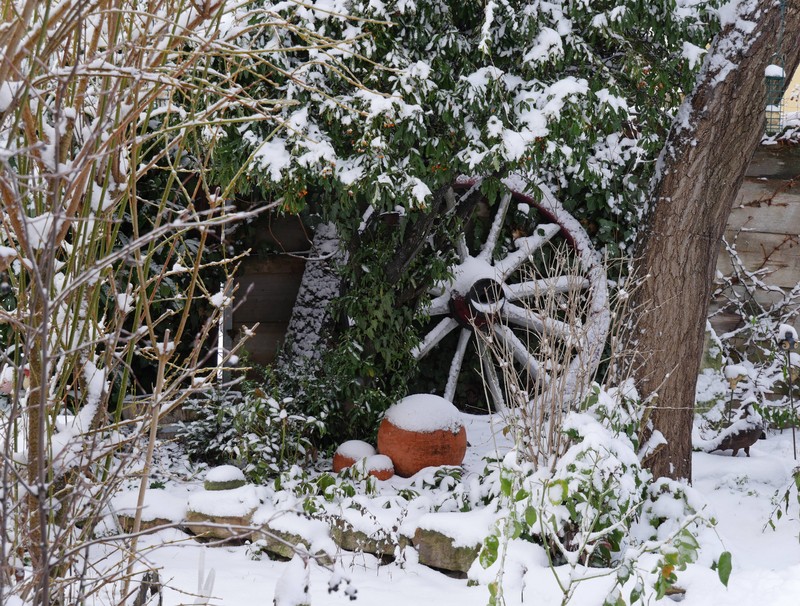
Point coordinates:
pixel 224 477
pixel 126 523
pixel 230 511
pixel 159 508
pixel 229 529
pixel 279 533
pixel 437 550
pixel 377 543
pixel 452 540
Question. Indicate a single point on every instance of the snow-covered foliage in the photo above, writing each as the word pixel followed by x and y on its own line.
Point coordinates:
pixel 103 190
pixel 594 507
pixel 575 94
pixel 261 433
pixel 399 99
pixel 743 495
pixel 760 355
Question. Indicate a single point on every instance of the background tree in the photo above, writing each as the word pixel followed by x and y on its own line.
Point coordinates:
pixel 701 168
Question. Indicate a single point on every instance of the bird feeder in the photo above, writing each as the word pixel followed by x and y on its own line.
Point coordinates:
pixel 776 83
pixel 788 343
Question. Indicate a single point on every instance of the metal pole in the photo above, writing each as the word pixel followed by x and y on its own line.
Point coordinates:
pixel 790 381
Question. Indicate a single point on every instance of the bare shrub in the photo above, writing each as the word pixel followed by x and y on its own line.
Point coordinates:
pixel 566 351
pixel 101 100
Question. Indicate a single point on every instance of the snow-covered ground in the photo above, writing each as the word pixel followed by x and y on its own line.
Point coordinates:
pixel 742 493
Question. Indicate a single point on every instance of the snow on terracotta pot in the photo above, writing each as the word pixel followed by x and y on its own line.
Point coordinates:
pixel 349 452
pixel 379 466
pixel 422 430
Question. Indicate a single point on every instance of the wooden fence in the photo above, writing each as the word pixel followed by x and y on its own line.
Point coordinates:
pixel 764 230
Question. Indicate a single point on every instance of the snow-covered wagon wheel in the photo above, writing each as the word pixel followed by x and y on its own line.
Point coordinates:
pixel 496 297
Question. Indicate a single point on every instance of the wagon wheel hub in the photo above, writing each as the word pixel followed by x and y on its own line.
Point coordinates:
pixel 481 305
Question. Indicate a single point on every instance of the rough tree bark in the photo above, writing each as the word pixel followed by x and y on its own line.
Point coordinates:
pixel 717 129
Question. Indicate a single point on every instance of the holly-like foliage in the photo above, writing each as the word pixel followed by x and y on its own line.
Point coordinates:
pixel 399 98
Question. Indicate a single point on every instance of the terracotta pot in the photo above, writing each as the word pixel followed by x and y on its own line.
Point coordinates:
pixel 380 467
pixel 411 451
pixel 382 474
pixel 341 462
pixel 349 452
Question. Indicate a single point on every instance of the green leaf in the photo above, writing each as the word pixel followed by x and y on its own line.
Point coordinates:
pixel 724 567
pixel 505 486
pixel 489 552
pixel 493 592
pixel 530 516
pixel 521 495
pixel 557 492
pixel 614 600
pixel 325 481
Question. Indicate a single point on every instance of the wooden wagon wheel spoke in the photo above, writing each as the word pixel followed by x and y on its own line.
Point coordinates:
pixel 532 288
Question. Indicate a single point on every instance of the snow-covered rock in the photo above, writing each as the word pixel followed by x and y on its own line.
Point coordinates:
pixel 224 477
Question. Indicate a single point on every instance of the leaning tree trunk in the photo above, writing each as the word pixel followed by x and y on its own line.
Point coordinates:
pixel 717 129
pixel 311 317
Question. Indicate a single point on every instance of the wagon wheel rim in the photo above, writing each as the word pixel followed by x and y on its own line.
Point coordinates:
pixel 484 306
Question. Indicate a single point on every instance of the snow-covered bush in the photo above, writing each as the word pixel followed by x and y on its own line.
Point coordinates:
pixel 764 370
pixel 260 433
pixel 108 119
pixel 576 95
pixel 597 507
pixel 586 501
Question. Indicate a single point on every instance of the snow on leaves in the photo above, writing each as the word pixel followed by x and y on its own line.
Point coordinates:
pixel 418 93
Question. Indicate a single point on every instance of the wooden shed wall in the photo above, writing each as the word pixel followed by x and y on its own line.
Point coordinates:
pixel 764 226
pixel 267 285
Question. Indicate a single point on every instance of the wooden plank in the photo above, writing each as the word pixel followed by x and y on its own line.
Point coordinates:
pixel 764 298
pixel 266 297
pixel 778 254
pixel 725 322
pixel 279 233
pixel 779 161
pixel 767 207
pixel 263 346
pixel 272 264
pixel 266 291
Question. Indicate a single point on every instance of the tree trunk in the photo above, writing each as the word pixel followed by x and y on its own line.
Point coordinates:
pixel 701 168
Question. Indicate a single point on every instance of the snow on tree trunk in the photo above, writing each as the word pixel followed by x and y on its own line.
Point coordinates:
pixel 701 168
pixel 310 317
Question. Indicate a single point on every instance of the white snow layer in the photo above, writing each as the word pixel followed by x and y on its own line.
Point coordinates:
pixel 774 71
pixel 424 413
pixel 157 505
pixel 229 503
pixel 467 529
pixel 224 473
pixel 292 586
pixel 734 371
pixel 355 449
pixel 379 462
pixel 786 331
